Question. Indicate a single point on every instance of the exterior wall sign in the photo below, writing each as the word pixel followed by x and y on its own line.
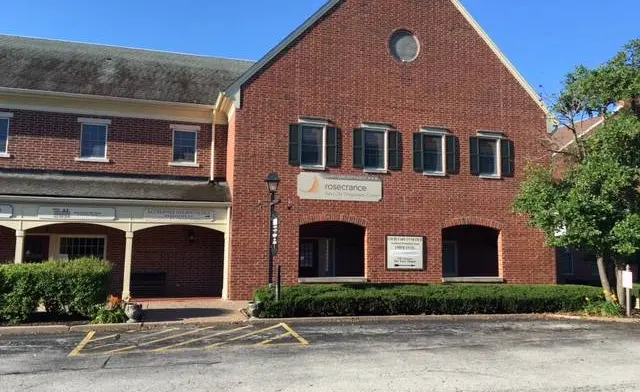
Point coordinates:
pixel 6 211
pixel 76 213
pixel 320 186
pixel 173 214
pixel 405 253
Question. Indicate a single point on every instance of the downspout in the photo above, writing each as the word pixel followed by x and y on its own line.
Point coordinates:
pixel 212 166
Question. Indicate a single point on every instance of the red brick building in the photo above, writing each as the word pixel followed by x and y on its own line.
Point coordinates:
pixel 398 129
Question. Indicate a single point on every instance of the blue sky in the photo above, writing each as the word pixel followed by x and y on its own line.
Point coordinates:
pixel 545 39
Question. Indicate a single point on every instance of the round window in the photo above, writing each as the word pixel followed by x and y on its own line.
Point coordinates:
pixel 404 46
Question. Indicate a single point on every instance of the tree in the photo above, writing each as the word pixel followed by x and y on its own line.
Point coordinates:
pixel 593 203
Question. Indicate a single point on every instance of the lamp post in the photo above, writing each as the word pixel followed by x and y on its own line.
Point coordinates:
pixel 272 180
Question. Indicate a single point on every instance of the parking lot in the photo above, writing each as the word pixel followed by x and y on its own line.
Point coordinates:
pixel 457 354
pixel 184 339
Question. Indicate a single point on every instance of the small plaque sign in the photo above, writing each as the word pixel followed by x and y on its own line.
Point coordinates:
pixel 178 214
pixel 627 279
pixel 77 213
pixel 405 253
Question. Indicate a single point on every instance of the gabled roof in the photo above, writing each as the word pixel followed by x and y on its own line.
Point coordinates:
pixel 68 67
pixel 234 90
pixel 562 138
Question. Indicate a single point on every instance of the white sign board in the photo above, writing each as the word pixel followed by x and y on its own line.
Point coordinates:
pixel 76 213
pixel 6 211
pixel 178 214
pixel 320 186
pixel 405 253
pixel 627 279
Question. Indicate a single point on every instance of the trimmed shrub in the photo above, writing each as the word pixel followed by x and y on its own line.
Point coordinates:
pixel 369 299
pixel 75 287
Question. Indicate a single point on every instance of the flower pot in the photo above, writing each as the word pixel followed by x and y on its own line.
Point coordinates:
pixel 134 312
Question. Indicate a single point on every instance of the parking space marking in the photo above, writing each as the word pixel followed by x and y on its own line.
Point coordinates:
pixel 295 334
pixel 82 343
pixel 243 336
pixel 157 340
pixel 281 336
pixel 115 335
pixel 200 338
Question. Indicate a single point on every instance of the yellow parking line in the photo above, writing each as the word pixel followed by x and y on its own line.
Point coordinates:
pixel 295 334
pixel 104 338
pixel 243 336
pixel 158 340
pixel 81 345
pixel 199 339
pixel 92 349
pixel 284 335
pixel 159 332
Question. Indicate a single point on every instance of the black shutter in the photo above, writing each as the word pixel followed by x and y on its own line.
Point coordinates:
pixel 474 156
pixel 453 158
pixel 358 148
pixel 333 147
pixel 417 153
pixel 395 150
pixel 294 144
pixel 508 157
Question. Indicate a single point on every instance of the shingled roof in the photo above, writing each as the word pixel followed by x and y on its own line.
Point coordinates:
pixel 60 66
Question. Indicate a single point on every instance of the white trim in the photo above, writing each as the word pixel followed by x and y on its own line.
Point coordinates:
pixel 505 61
pixel 473 279
pixel 184 127
pixel 498 138
pixel 333 279
pixel 318 123
pixel 379 128
pixel 6 115
pixel 106 140
pixel 435 132
pixel 94 121
pixel 194 163
pixel 94 160
pixel 5 153
pixel 117 202
pixel 314 120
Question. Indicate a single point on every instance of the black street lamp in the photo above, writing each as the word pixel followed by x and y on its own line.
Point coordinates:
pixel 272 180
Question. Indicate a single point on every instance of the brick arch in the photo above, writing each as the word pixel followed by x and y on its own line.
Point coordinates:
pixel 332 217
pixel 472 220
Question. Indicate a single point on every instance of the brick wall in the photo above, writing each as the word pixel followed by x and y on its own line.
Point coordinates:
pixel 220 153
pixel 51 141
pixel 342 70
pixel 7 244
pixel 192 269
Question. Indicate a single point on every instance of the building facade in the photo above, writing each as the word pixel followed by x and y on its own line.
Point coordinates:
pixel 398 129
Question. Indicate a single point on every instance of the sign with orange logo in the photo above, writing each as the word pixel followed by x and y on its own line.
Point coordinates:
pixel 321 186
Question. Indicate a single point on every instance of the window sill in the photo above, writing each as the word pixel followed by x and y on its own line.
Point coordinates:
pixel 376 171
pixel 333 279
pixel 434 174
pixel 5 155
pixel 313 168
pixel 184 164
pixel 489 177
pixel 473 279
pixel 93 160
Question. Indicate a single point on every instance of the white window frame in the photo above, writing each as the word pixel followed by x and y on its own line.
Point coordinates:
pixel 443 150
pixel 372 127
pixel 319 123
pixel 56 240
pixel 8 117
pixel 99 122
pixel 572 262
pixel 498 138
pixel 184 128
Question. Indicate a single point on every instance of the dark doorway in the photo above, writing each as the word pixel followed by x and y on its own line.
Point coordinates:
pixel 470 251
pixel 36 248
pixel 331 249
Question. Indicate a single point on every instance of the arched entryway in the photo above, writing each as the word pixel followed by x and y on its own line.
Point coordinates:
pixel 470 251
pixel 331 250
pixel 177 261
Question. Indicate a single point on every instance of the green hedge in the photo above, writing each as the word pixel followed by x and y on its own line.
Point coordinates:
pixel 364 299
pixel 75 287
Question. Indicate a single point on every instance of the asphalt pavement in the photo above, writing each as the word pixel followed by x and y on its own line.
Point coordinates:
pixel 400 355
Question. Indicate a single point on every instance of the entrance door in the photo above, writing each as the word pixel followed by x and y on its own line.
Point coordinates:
pixel 449 258
pixel 308 258
pixel 36 248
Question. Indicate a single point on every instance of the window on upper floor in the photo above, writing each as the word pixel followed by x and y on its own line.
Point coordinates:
pixel 184 146
pixel 93 139
pixel 4 134
pixel 376 148
pixel 491 155
pixel 314 144
pixel 435 152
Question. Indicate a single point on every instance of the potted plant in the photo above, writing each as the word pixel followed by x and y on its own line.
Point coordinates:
pixel 133 310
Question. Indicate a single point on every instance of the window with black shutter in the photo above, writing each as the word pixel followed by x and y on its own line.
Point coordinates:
pixel 435 152
pixel 491 155
pixel 314 145
pixel 377 148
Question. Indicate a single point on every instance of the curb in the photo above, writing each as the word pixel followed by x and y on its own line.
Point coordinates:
pixel 34 330
pixel 422 317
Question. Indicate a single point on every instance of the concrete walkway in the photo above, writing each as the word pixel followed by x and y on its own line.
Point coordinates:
pixel 192 310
